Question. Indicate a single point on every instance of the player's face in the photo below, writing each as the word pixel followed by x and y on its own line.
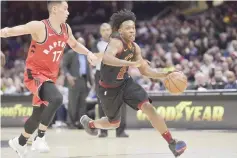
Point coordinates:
pixel 62 12
pixel 128 30
pixel 105 31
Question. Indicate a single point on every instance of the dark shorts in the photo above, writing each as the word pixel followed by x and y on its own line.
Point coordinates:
pixel 112 99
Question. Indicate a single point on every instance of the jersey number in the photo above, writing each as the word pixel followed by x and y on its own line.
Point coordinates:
pixel 56 55
pixel 123 70
pixel 121 73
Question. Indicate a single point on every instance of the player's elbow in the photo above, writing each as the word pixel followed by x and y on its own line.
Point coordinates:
pixel 73 45
pixel 143 71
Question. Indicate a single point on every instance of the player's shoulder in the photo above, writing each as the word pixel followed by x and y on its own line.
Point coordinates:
pixel 137 47
pixel 115 41
pixel 36 24
pixel 135 44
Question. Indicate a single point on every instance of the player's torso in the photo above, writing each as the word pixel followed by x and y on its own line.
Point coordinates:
pixel 117 75
pixel 46 56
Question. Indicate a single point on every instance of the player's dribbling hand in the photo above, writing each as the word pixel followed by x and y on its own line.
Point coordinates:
pixel 169 72
pixel 4 32
pixel 92 59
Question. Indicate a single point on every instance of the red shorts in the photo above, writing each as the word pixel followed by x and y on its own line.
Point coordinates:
pixel 33 81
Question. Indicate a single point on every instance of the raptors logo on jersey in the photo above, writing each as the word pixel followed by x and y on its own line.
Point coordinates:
pixel 45 57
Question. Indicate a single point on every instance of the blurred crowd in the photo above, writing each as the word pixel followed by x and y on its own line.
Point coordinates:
pixel 203 46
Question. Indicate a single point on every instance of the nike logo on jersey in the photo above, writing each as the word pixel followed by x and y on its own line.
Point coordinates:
pixel 51 34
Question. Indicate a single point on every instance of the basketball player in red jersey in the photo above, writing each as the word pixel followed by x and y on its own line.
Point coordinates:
pixel 49 38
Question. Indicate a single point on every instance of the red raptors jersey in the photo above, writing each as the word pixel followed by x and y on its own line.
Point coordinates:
pixel 45 57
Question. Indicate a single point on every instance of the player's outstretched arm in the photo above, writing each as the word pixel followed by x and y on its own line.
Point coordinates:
pixel 28 28
pixel 79 48
pixel 145 69
pixel 114 47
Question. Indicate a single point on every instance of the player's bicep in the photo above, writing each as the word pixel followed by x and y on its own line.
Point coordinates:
pixel 138 53
pixel 138 57
pixel 29 28
pixel 72 42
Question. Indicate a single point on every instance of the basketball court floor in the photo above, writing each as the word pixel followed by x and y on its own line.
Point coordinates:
pixel 145 143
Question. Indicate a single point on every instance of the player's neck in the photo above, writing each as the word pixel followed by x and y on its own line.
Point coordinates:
pixel 54 23
pixel 128 42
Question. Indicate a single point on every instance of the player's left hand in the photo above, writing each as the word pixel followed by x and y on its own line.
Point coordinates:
pixel 169 72
pixel 93 60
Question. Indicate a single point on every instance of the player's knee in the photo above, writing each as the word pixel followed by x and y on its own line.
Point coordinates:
pixel 147 108
pixel 57 100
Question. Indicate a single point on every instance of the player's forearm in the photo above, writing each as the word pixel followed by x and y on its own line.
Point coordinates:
pixel 79 48
pixel 16 31
pixel 152 73
pixel 113 61
pixel 99 55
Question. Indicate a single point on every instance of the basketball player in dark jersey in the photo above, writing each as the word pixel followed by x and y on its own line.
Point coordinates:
pixel 117 87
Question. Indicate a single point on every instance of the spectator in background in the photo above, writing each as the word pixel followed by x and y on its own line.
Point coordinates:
pixel 231 81
pixel 77 71
pixel 218 79
pixel 9 87
pixel 200 82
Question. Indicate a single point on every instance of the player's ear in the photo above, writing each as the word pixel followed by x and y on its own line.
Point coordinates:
pixel 54 8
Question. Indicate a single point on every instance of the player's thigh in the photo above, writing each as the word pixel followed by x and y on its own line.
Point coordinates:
pixel 135 95
pixel 111 101
pixel 33 81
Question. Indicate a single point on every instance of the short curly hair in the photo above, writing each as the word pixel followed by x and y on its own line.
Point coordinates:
pixel 118 18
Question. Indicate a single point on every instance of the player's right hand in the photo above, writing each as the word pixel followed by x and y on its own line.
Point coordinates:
pixel 4 32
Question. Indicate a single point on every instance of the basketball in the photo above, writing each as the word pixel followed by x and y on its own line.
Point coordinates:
pixel 176 83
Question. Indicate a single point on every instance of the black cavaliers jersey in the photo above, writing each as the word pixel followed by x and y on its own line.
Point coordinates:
pixel 113 76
